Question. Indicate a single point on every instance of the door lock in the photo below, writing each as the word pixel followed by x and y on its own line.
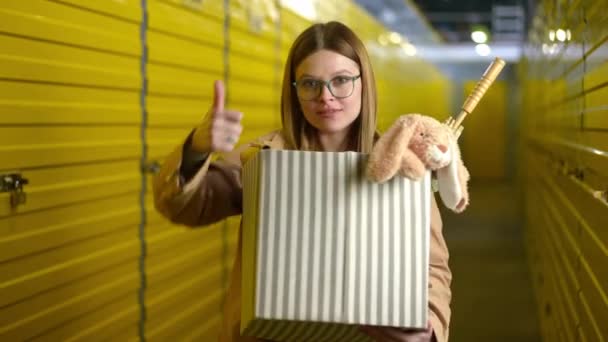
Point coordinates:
pixel 13 183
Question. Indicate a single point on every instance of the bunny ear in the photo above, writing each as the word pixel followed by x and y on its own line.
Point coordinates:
pixel 386 156
pixel 452 182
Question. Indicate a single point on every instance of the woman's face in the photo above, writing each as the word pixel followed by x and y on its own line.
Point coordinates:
pixel 327 112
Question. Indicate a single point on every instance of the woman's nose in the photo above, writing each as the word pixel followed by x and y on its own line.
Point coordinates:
pixel 442 148
pixel 326 94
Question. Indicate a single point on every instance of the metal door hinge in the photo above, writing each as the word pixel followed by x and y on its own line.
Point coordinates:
pixel 13 183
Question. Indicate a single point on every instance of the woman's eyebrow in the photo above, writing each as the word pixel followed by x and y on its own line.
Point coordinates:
pixel 342 71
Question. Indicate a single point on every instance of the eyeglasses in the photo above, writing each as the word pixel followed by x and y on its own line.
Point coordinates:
pixel 340 87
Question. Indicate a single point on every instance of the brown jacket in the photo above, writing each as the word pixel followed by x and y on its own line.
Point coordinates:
pixel 215 192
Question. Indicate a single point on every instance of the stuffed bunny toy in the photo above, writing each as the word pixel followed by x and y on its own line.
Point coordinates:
pixel 416 143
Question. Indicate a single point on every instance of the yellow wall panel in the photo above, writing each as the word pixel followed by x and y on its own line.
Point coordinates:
pixel 597 301
pixel 166 304
pixel 125 9
pixel 39 272
pixel 247 93
pixel 65 145
pixel 172 326
pixel 172 81
pixel 103 324
pixel 292 25
pixel 56 22
pixel 253 45
pixel 70 91
pixel 564 305
pixel 167 111
pixel 36 314
pixel 34 60
pixel 595 12
pixel 568 277
pixel 38 103
pixel 58 186
pixel 258 72
pixel 205 331
pixel 564 139
pixel 589 324
pixel 596 77
pixel 596 114
pixel 202 24
pixel 167 49
pixel 21 235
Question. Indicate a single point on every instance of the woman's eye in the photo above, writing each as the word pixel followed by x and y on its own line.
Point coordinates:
pixel 308 83
pixel 341 80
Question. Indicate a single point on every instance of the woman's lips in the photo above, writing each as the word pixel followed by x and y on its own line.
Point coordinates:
pixel 328 113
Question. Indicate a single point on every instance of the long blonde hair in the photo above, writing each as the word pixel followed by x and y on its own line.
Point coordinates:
pixel 336 37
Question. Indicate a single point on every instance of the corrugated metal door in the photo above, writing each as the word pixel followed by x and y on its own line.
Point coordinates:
pixel 70 121
pixel 565 169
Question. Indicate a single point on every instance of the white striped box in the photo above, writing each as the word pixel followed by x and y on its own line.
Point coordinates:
pixel 325 250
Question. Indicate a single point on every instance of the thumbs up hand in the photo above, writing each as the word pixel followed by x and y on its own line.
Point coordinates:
pixel 220 129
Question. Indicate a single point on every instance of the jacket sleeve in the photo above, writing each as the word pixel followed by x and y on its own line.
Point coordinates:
pixel 440 278
pixel 212 194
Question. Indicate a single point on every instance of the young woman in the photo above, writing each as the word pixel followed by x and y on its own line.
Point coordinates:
pixel 328 103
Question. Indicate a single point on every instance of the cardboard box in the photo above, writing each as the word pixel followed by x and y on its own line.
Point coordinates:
pixel 324 250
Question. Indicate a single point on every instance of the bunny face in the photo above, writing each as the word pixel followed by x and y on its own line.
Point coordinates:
pixel 414 144
pixel 430 141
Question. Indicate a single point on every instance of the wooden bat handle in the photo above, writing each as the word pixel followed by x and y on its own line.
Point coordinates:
pixel 489 76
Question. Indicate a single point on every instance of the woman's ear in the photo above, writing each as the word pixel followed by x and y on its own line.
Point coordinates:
pixel 387 154
pixel 452 181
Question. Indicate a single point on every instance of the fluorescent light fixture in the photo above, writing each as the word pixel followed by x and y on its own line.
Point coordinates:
pixel 560 34
pixel 466 53
pixel 552 35
pixel 409 49
pixel 395 38
pixel 305 9
pixel 483 49
pixel 568 35
pixel 479 37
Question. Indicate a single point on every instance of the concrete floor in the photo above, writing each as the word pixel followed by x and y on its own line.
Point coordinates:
pixel 492 293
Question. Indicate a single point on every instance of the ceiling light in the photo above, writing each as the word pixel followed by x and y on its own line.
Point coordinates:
pixel 409 49
pixel 552 35
pixel 395 38
pixel 568 35
pixel 560 35
pixel 306 9
pixel 482 49
pixel 479 37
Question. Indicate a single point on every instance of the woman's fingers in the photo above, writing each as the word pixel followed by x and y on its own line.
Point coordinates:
pixel 231 115
pixel 220 129
pixel 225 133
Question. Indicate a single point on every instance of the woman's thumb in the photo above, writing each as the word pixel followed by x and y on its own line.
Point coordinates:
pixel 218 96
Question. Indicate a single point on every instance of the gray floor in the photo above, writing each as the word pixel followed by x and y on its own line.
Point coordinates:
pixel 492 294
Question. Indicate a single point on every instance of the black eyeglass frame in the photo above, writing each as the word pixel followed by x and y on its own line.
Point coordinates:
pixel 328 85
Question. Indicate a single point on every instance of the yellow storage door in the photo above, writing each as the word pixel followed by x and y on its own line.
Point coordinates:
pixel 69 124
pixel 565 132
